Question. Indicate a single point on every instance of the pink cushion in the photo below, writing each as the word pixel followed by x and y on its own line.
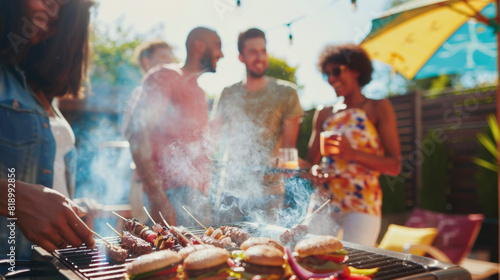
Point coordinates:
pixel 456 233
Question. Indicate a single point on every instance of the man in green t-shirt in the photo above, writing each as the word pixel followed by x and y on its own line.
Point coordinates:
pixel 259 115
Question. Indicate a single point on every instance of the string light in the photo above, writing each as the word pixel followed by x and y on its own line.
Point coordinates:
pixel 290 36
pixel 289 24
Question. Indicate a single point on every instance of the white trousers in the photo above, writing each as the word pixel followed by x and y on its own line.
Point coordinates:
pixel 353 227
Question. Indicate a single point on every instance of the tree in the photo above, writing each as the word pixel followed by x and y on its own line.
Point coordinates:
pixel 280 69
pixel 113 54
pixel 435 85
pixel 113 50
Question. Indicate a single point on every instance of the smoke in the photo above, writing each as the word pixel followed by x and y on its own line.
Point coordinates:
pixel 104 174
pixel 297 196
pixel 235 166
pixel 248 187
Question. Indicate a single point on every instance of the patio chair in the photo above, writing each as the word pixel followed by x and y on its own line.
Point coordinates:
pixel 444 237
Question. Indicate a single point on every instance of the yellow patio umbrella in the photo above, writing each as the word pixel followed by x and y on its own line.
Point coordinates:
pixel 411 35
pixel 418 33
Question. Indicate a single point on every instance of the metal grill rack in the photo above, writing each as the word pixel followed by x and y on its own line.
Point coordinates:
pixel 91 264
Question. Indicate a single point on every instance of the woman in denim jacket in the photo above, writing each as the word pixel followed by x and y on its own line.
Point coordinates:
pixel 43 55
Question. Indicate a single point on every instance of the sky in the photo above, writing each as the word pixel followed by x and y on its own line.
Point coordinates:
pixel 314 24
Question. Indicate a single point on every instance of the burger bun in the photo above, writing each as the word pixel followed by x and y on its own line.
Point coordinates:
pixel 206 258
pixel 320 245
pixel 252 241
pixel 153 261
pixel 263 255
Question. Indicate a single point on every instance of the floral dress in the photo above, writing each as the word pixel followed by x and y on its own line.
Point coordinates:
pixel 352 187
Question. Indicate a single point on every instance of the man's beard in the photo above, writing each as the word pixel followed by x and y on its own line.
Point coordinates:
pixel 254 74
pixel 206 62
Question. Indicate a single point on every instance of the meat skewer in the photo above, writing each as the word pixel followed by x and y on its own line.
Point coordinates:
pixel 215 237
pixel 170 232
pixel 115 253
pixel 299 231
pixel 175 231
pixel 235 234
pixel 138 229
pixel 134 243
pixel 162 240
pixel 196 238
pixel 157 227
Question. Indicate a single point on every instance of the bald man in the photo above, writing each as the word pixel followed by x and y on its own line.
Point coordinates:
pixel 168 133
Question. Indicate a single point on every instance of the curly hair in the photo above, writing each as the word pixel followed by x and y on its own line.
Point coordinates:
pixel 351 55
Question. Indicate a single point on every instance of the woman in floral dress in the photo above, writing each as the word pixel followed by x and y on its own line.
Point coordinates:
pixel 364 145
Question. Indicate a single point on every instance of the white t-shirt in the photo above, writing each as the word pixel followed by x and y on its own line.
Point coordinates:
pixel 65 144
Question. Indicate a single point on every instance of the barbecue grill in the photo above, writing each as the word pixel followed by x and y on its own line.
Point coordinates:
pixel 84 263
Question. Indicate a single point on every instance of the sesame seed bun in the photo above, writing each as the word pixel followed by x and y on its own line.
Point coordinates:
pixel 263 255
pixel 186 251
pixel 320 245
pixel 206 258
pixel 153 261
pixel 252 241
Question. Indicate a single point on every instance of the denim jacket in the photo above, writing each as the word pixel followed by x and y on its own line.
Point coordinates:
pixel 26 144
pixel 26 141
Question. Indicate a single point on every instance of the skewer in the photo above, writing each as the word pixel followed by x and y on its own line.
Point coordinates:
pixel 146 210
pixel 165 221
pixel 317 210
pixel 194 217
pixel 180 234
pixel 120 216
pixel 197 238
pixel 105 241
pixel 113 229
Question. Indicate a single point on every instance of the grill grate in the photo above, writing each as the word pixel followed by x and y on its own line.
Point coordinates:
pixel 92 264
pixel 389 267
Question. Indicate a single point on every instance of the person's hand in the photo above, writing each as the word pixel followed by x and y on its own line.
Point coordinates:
pixel 160 203
pixel 340 146
pixel 49 219
pixel 317 176
pixel 304 164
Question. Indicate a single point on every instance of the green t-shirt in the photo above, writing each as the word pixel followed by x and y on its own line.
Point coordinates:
pixel 253 123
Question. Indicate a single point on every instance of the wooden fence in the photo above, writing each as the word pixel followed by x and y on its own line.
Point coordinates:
pixel 460 116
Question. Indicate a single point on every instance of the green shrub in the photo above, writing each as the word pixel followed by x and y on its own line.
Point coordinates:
pixel 393 198
pixel 487 172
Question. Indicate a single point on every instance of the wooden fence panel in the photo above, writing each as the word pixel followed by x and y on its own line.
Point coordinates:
pixel 461 117
pixel 404 107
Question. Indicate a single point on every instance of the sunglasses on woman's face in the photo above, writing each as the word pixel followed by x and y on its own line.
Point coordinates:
pixel 335 72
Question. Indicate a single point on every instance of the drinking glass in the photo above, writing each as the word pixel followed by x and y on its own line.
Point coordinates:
pixel 325 149
pixel 288 158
